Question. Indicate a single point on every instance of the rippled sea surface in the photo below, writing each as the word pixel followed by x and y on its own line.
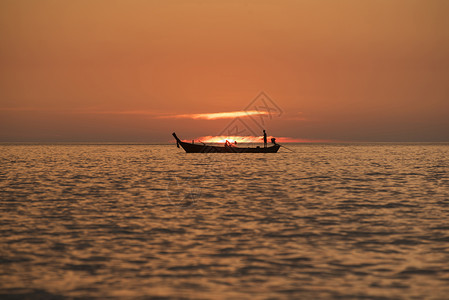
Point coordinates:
pixel 355 221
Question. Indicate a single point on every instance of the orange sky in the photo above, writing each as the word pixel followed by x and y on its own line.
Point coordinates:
pixel 104 70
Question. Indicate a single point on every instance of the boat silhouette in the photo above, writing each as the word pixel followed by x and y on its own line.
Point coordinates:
pixel 227 148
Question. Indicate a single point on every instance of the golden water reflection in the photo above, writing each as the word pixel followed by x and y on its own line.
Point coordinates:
pixel 328 221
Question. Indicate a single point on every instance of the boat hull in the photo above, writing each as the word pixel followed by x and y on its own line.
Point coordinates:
pixel 198 148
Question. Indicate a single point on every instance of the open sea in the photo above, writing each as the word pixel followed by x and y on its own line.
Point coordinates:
pixel 328 221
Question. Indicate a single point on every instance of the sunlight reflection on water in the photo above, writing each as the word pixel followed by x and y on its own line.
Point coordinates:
pixel 328 221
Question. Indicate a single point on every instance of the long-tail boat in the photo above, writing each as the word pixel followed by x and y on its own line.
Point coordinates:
pixel 227 148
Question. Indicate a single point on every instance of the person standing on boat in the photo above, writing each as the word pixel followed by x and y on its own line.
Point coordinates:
pixel 264 139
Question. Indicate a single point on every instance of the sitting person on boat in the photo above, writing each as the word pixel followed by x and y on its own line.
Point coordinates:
pixel 229 144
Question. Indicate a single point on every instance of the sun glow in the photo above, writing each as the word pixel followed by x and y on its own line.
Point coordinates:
pixel 250 139
pixel 232 139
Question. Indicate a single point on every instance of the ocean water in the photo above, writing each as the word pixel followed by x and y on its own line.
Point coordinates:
pixel 328 221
